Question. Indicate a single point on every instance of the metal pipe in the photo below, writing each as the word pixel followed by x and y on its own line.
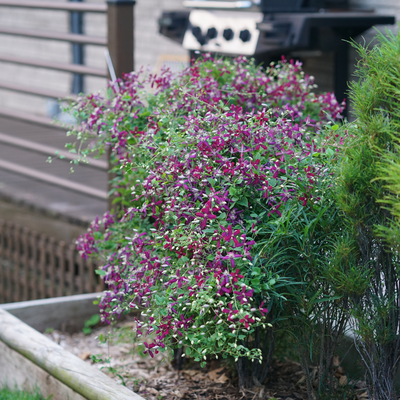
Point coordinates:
pixel 84 7
pixel 64 37
pixel 79 69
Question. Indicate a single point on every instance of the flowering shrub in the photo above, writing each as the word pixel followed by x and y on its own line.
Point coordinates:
pixel 203 165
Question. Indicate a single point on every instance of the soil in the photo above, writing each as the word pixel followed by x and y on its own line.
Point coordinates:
pixel 121 358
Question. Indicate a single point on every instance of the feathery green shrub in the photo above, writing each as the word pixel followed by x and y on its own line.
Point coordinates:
pixel 367 193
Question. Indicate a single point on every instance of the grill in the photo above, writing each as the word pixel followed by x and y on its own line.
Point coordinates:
pixel 267 29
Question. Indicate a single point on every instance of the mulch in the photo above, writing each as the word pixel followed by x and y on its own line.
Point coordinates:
pixel 156 378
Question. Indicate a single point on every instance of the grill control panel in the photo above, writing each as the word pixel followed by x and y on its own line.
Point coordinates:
pixel 223 31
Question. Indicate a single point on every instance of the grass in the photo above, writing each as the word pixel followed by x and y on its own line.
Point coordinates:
pixel 8 394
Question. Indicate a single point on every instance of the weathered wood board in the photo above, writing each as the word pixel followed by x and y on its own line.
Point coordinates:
pixel 18 371
pixel 56 363
pixel 67 313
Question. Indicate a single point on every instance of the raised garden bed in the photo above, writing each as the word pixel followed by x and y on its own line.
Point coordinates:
pixel 29 359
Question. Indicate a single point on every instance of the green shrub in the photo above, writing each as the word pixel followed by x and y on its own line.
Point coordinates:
pixel 367 193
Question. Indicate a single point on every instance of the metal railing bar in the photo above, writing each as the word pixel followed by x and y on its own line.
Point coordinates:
pixel 78 69
pixel 35 91
pixel 65 37
pixel 48 150
pixel 67 6
pixel 53 180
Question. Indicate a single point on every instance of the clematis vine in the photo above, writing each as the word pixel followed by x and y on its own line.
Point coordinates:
pixel 199 163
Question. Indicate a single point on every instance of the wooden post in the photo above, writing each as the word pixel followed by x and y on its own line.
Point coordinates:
pixel 121 47
pixel 120 35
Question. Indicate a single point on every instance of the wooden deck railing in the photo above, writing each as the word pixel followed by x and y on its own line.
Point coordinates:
pixel 119 42
pixel 35 266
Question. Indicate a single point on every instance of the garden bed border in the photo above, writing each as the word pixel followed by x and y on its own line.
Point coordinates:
pixel 30 358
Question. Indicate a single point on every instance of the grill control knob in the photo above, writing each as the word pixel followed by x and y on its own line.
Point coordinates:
pixel 245 35
pixel 228 34
pixel 202 40
pixel 196 31
pixel 212 33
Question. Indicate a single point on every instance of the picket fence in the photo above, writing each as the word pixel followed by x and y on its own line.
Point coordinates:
pixel 35 266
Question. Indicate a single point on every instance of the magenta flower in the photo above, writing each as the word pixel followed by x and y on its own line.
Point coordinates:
pixel 149 349
pixel 206 214
pixel 231 256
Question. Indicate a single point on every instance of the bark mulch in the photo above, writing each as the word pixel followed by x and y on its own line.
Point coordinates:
pixel 122 359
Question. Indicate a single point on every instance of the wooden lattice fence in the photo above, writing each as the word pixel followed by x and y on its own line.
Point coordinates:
pixel 35 266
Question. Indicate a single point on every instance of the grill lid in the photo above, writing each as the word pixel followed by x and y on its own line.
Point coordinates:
pixel 270 6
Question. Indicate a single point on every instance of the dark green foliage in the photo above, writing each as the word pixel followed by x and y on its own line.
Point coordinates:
pixel 367 193
pixel 301 246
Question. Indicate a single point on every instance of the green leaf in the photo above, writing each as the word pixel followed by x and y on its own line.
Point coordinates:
pixel 243 202
pixel 329 152
pixel 212 181
pixel 328 299
pixel 91 322
pixel 159 300
pixel 100 272
pixel 87 331
pixel 255 282
pixel 232 191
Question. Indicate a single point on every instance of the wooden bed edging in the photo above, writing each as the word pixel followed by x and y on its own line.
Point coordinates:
pixel 67 313
pixel 66 368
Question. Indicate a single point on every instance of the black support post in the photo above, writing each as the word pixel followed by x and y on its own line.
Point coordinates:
pixel 341 70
